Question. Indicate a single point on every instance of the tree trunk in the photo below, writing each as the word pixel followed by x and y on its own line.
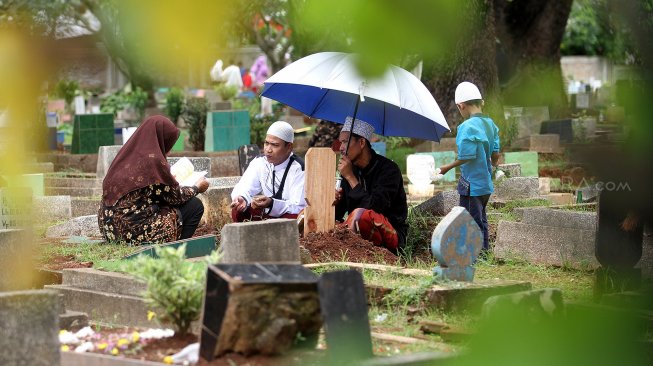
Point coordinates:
pixel 529 34
pixel 473 60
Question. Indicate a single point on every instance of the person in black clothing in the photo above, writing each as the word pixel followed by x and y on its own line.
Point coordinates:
pixel 372 190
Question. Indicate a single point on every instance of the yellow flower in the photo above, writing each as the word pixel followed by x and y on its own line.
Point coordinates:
pixel 102 346
pixel 136 336
pixel 114 351
pixel 150 315
pixel 167 360
pixel 65 348
pixel 63 331
pixel 123 342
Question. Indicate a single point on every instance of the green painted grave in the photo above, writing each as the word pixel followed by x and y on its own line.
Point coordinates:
pixel 198 246
pixel 527 160
pixel 179 145
pixel 90 131
pixel 226 130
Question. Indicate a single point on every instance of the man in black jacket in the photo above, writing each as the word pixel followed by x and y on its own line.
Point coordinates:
pixel 372 190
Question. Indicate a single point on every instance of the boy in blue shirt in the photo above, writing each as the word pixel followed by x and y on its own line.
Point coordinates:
pixel 478 150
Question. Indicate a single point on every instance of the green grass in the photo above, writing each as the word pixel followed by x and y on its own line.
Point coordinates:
pixel 86 252
pixel 398 155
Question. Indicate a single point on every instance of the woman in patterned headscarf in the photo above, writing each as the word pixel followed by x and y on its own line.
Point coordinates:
pixel 141 200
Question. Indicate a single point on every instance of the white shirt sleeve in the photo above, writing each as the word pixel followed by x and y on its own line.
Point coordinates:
pixel 249 184
pixel 293 194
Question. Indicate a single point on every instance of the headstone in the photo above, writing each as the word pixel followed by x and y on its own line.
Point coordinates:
pixel 512 170
pixel 247 153
pixel 199 163
pixel 379 147
pixel 561 127
pixel 30 326
pixel 226 130
pixel 33 181
pixel 527 160
pixel 17 260
pixel 269 241
pixel 15 208
pixel 583 101
pixel 440 204
pixel 528 121
pixel 197 246
pixel 456 243
pixel 420 169
pixel 80 226
pixel 560 198
pixel 549 143
pixel 441 158
pixel 537 306
pixel 587 193
pixel 106 154
pixel 53 208
pixel 80 105
pixel 584 128
pixel 223 182
pixel 343 305
pixel 127 132
pixel 258 308
pixel 90 131
pixel 216 201
pixel 320 214
pixel 544 186
pixel 516 188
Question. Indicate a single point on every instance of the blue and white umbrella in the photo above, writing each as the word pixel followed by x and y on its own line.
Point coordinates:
pixel 328 86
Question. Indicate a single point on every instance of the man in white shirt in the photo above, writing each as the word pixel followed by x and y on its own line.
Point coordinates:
pixel 273 184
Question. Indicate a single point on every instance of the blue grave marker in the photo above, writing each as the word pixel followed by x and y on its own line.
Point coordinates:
pixel 456 243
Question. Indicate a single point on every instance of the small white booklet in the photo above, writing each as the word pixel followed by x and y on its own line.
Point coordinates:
pixel 184 172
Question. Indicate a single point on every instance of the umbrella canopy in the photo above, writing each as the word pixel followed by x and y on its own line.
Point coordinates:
pixel 328 86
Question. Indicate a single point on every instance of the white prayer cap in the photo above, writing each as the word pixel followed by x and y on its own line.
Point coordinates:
pixel 361 128
pixel 282 130
pixel 467 91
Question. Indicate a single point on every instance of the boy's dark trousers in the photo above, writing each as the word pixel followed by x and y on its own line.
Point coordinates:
pixel 475 205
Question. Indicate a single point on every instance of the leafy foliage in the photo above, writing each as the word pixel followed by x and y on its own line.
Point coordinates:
pixel 226 92
pixel 173 285
pixel 174 104
pixel 136 99
pixel 420 227
pixel 195 117
pixel 66 89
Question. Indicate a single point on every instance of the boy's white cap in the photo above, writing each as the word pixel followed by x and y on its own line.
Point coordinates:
pixel 282 130
pixel 467 91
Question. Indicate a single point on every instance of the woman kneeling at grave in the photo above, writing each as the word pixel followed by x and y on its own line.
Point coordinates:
pixel 141 200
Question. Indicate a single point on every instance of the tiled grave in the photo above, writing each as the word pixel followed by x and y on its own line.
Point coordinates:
pixel 90 131
pixel 198 246
pixel 226 130
pixel 527 160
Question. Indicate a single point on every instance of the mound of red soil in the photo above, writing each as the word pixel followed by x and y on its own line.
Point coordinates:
pixel 342 244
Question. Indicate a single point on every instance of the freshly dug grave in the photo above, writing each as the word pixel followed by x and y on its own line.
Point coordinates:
pixel 341 244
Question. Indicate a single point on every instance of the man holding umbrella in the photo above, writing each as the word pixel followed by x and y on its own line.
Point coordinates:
pixel 372 189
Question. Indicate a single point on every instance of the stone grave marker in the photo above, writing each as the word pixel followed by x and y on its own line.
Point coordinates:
pixel 440 204
pixel 53 208
pixel 223 182
pixel 15 207
pixel 511 170
pixel 526 159
pixel 199 163
pixel 544 143
pixel 226 130
pixel 343 305
pixel 516 188
pixel 275 240
pixel 247 153
pixel 106 154
pixel 17 259
pixel 441 158
pixel 561 127
pixel 319 187
pixel 78 226
pixel 90 131
pixel 30 326
pixel 456 243
pixel 528 120
pixel 34 181
pixel 258 308
pixel 216 201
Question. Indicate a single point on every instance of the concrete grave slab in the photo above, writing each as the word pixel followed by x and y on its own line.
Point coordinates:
pixel 440 204
pixel 80 226
pixel 560 218
pixel 223 182
pixel 516 188
pixel 456 243
pixel 53 208
pixel 535 306
pixel 544 186
pixel 84 206
pixel 547 245
pixel 469 296
pixel 106 154
pixel 15 207
pixel 17 259
pixel 558 198
pixel 512 170
pixel 30 326
pixel 526 159
pixel 275 240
